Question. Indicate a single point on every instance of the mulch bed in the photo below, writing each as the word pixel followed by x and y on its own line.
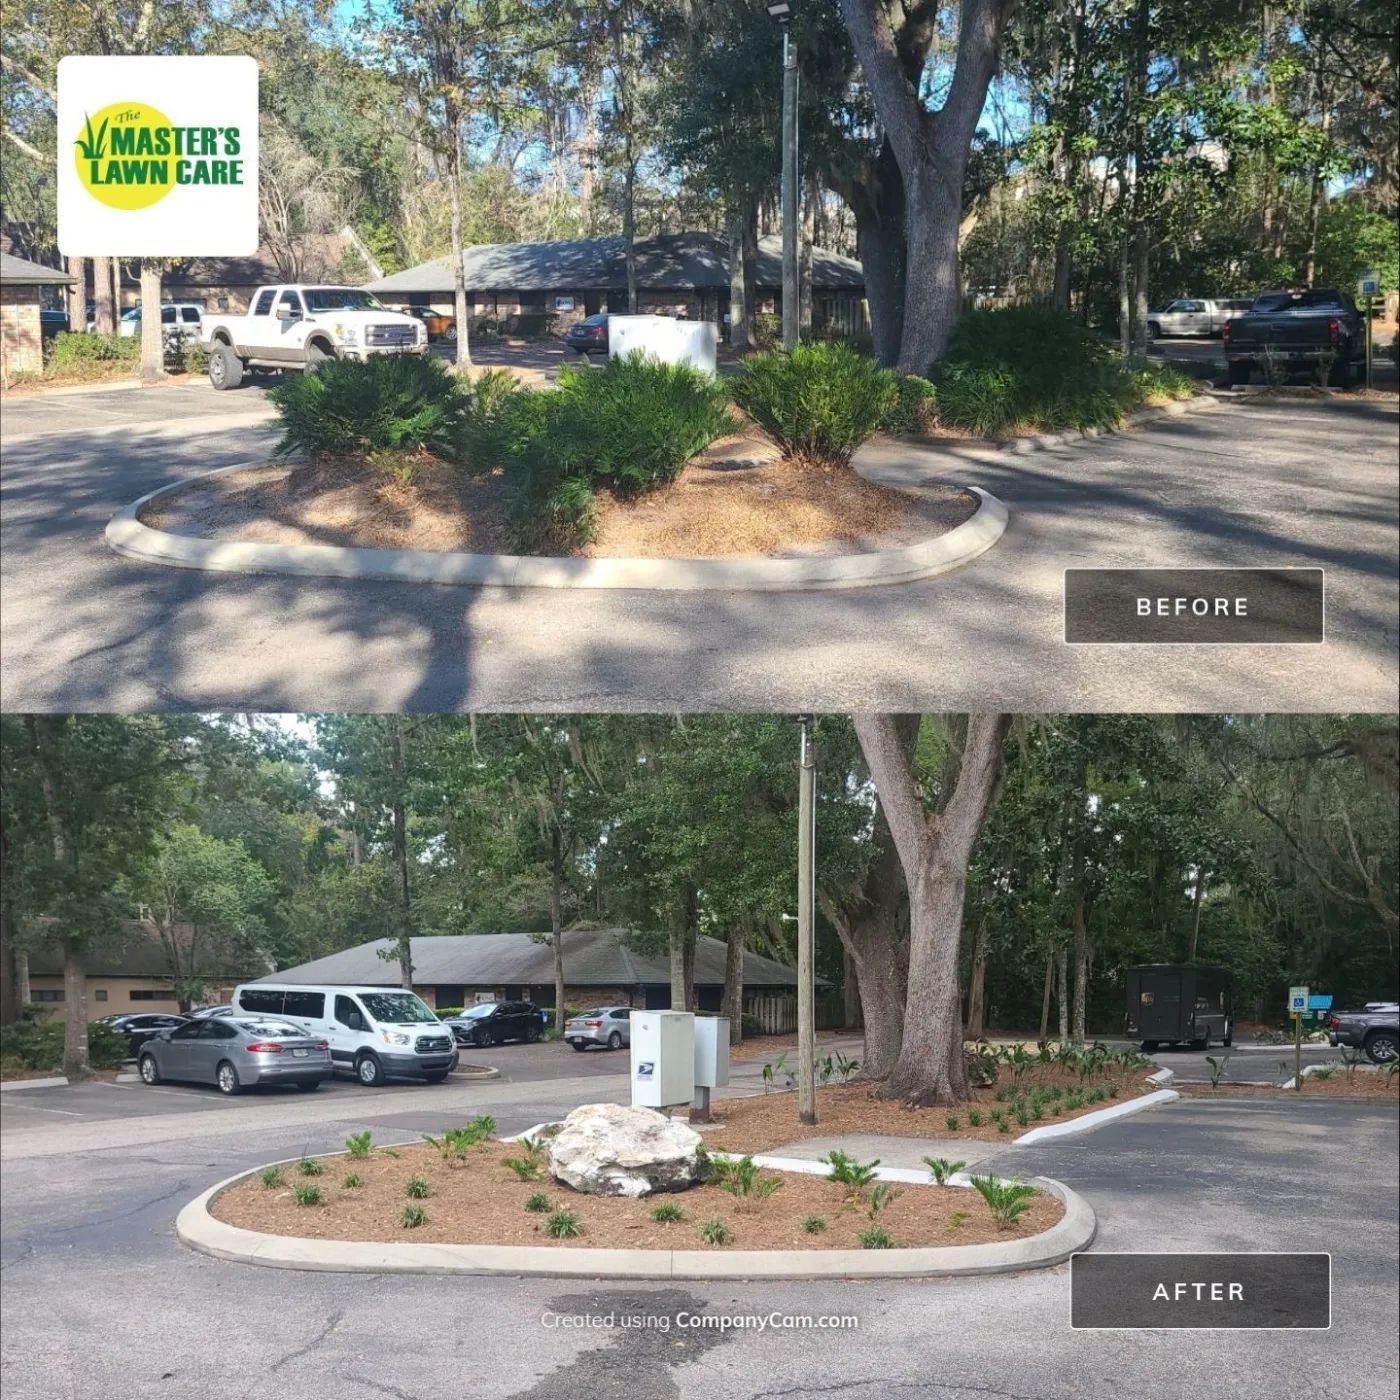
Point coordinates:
pixel 764 1121
pixel 1362 1085
pixel 736 499
pixel 483 1202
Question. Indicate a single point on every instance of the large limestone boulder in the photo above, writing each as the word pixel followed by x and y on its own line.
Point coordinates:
pixel 607 1149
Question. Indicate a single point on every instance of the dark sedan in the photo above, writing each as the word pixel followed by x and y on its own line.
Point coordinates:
pixel 589 336
pixel 495 1021
pixel 140 1028
pixel 1374 1029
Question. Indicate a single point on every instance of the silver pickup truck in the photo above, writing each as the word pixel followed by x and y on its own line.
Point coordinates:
pixel 1194 317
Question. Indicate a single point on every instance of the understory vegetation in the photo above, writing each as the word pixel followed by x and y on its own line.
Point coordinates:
pixel 38 1045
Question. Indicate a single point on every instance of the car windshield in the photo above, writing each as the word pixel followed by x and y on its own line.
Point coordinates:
pixel 583 1015
pixel 340 299
pixel 396 1008
pixel 472 1013
pixel 272 1030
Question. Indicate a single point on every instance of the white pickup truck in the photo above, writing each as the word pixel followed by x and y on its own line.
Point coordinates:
pixel 301 327
pixel 1188 317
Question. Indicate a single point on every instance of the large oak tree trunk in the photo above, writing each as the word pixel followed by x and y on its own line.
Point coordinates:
pixel 877 204
pixel 152 332
pixel 103 315
pixel 733 1004
pixel 75 1036
pixel 934 849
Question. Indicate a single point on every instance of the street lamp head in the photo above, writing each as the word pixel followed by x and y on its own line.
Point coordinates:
pixel 782 11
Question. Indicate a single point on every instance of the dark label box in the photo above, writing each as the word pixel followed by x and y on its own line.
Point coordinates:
pixel 1239 607
pixel 1200 1290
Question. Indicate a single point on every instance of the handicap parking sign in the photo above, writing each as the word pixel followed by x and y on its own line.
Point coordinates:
pixel 1297 999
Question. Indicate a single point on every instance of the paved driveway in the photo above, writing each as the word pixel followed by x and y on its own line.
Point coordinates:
pixel 102 1303
pixel 1292 483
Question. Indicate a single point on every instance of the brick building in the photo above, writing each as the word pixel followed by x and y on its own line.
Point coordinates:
pixel 24 286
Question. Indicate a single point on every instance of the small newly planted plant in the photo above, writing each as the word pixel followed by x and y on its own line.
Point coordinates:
pixel 1022 1117
pixel 1324 1072
pixel 306 1194
pixel 1007 1200
pixel 562 1225
pixel 950 1121
pixel 882 1197
pixel 416 1188
pixel 1353 1060
pixel 716 1232
pixel 845 1068
pixel 526 1168
pixel 1113 1091
pixel 309 1166
pixel 1003 1126
pixel 668 1213
pixel 942 1170
pixel 480 1128
pixel 271 1177
pixel 974 1117
pixel 875 1238
pixel 814 1224
pixel 537 1203
pixel 357 1146
pixel 848 1172
pixel 1390 1069
pixel 825 1068
pixel 958 1218
pixel 743 1180
pixel 777 1067
pixel 1217 1069
pixel 1037 1112
pixel 452 1145
pixel 411 1217
pixel 351 1180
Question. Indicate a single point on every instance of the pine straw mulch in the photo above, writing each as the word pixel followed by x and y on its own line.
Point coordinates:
pixel 737 499
pixel 764 1121
pixel 1362 1085
pixel 484 1203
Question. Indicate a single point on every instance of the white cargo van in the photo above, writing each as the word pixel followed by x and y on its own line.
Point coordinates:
pixel 375 1033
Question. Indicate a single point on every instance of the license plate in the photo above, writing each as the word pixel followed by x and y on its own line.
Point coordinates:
pixel 301 1054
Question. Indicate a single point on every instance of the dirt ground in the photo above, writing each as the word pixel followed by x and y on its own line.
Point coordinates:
pixel 765 1121
pixel 484 1203
pixel 737 499
pixel 1340 1085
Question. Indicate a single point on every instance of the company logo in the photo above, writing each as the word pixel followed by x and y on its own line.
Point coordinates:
pixel 130 155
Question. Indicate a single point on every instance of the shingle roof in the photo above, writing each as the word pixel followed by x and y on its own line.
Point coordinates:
pixel 136 952
pixel 592 958
pixel 675 261
pixel 20 272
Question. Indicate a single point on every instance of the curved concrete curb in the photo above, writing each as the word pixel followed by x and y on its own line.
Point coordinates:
pixel 1038 442
pixel 1074 1231
pixel 1089 1121
pixel 128 536
pixel 476 1071
pixel 58 1081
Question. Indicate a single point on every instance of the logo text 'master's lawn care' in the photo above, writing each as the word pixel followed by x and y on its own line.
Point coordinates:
pixel 130 155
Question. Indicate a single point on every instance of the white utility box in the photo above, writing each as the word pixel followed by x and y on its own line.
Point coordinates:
pixel 665 338
pixel 663 1058
pixel 711 1052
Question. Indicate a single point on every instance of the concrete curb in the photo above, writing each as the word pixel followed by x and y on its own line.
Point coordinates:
pixel 1332 1065
pixel 129 537
pixel 57 1082
pixel 1074 1231
pixel 1039 442
pixel 1089 1121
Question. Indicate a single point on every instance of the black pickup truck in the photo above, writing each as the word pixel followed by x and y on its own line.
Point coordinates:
pixel 1287 332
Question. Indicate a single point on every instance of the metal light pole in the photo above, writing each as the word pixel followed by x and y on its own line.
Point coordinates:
pixel 806 931
pixel 782 12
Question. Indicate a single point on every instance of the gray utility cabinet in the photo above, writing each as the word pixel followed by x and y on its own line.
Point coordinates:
pixel 1176 1004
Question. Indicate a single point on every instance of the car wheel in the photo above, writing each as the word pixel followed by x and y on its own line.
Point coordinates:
pixel 369 1071
pixel 1149 1047
pixel 1382 1047
pixel 150 1071
pixel 1154 332
pixel 481 1039
pixel 578 1045
pixel 310 1086
pixel 225 368
pixel 532 1034
pixel 316 357
pixel 226 1077
pixel 1237 373
pixel 1340 376
pixel 436 1077
pixel 450 335
pixel 615 1041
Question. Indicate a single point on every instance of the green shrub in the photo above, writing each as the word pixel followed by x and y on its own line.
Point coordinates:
pixel 307 1194
pixel 271 1178
pixel 562 1225
pixel 351 1180
pixel 668 1214
pixel 30 1044
pixel 632 426
pixel 1007 1200
pixel 77 352
pixel 875 1238
pixel 499 419
pixel 817 402
pixel 358 1145
pixel 411 1217
pixel 537 1203
pixel 914 406
pixel 194 358
pixel 416 1188
pixel 942 1170
pixel 716 1232
pixel 1160 380
pixel 404 402
pixel 1029 366
pixel 309 1166
pixel 814 1224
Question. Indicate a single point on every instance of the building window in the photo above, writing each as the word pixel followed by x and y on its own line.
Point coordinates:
pixel 100 994
pixel 46 996
pixel 153 996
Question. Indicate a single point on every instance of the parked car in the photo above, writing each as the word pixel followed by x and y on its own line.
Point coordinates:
pixel 52 320
pixel 603 1025
pixel 301 327
pixel 235 1053
pixel 183 319
pixel 1194 317
pixel 375 1033
pixel 141 1027
pixel 1284 332
pixel 1374 1029
pixel 201 1011
pixel 588 336
pixel 492 1022
pixel 440 324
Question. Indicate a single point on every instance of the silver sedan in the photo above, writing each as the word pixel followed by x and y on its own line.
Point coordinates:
pixel 603 1025
pixel 234 1053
